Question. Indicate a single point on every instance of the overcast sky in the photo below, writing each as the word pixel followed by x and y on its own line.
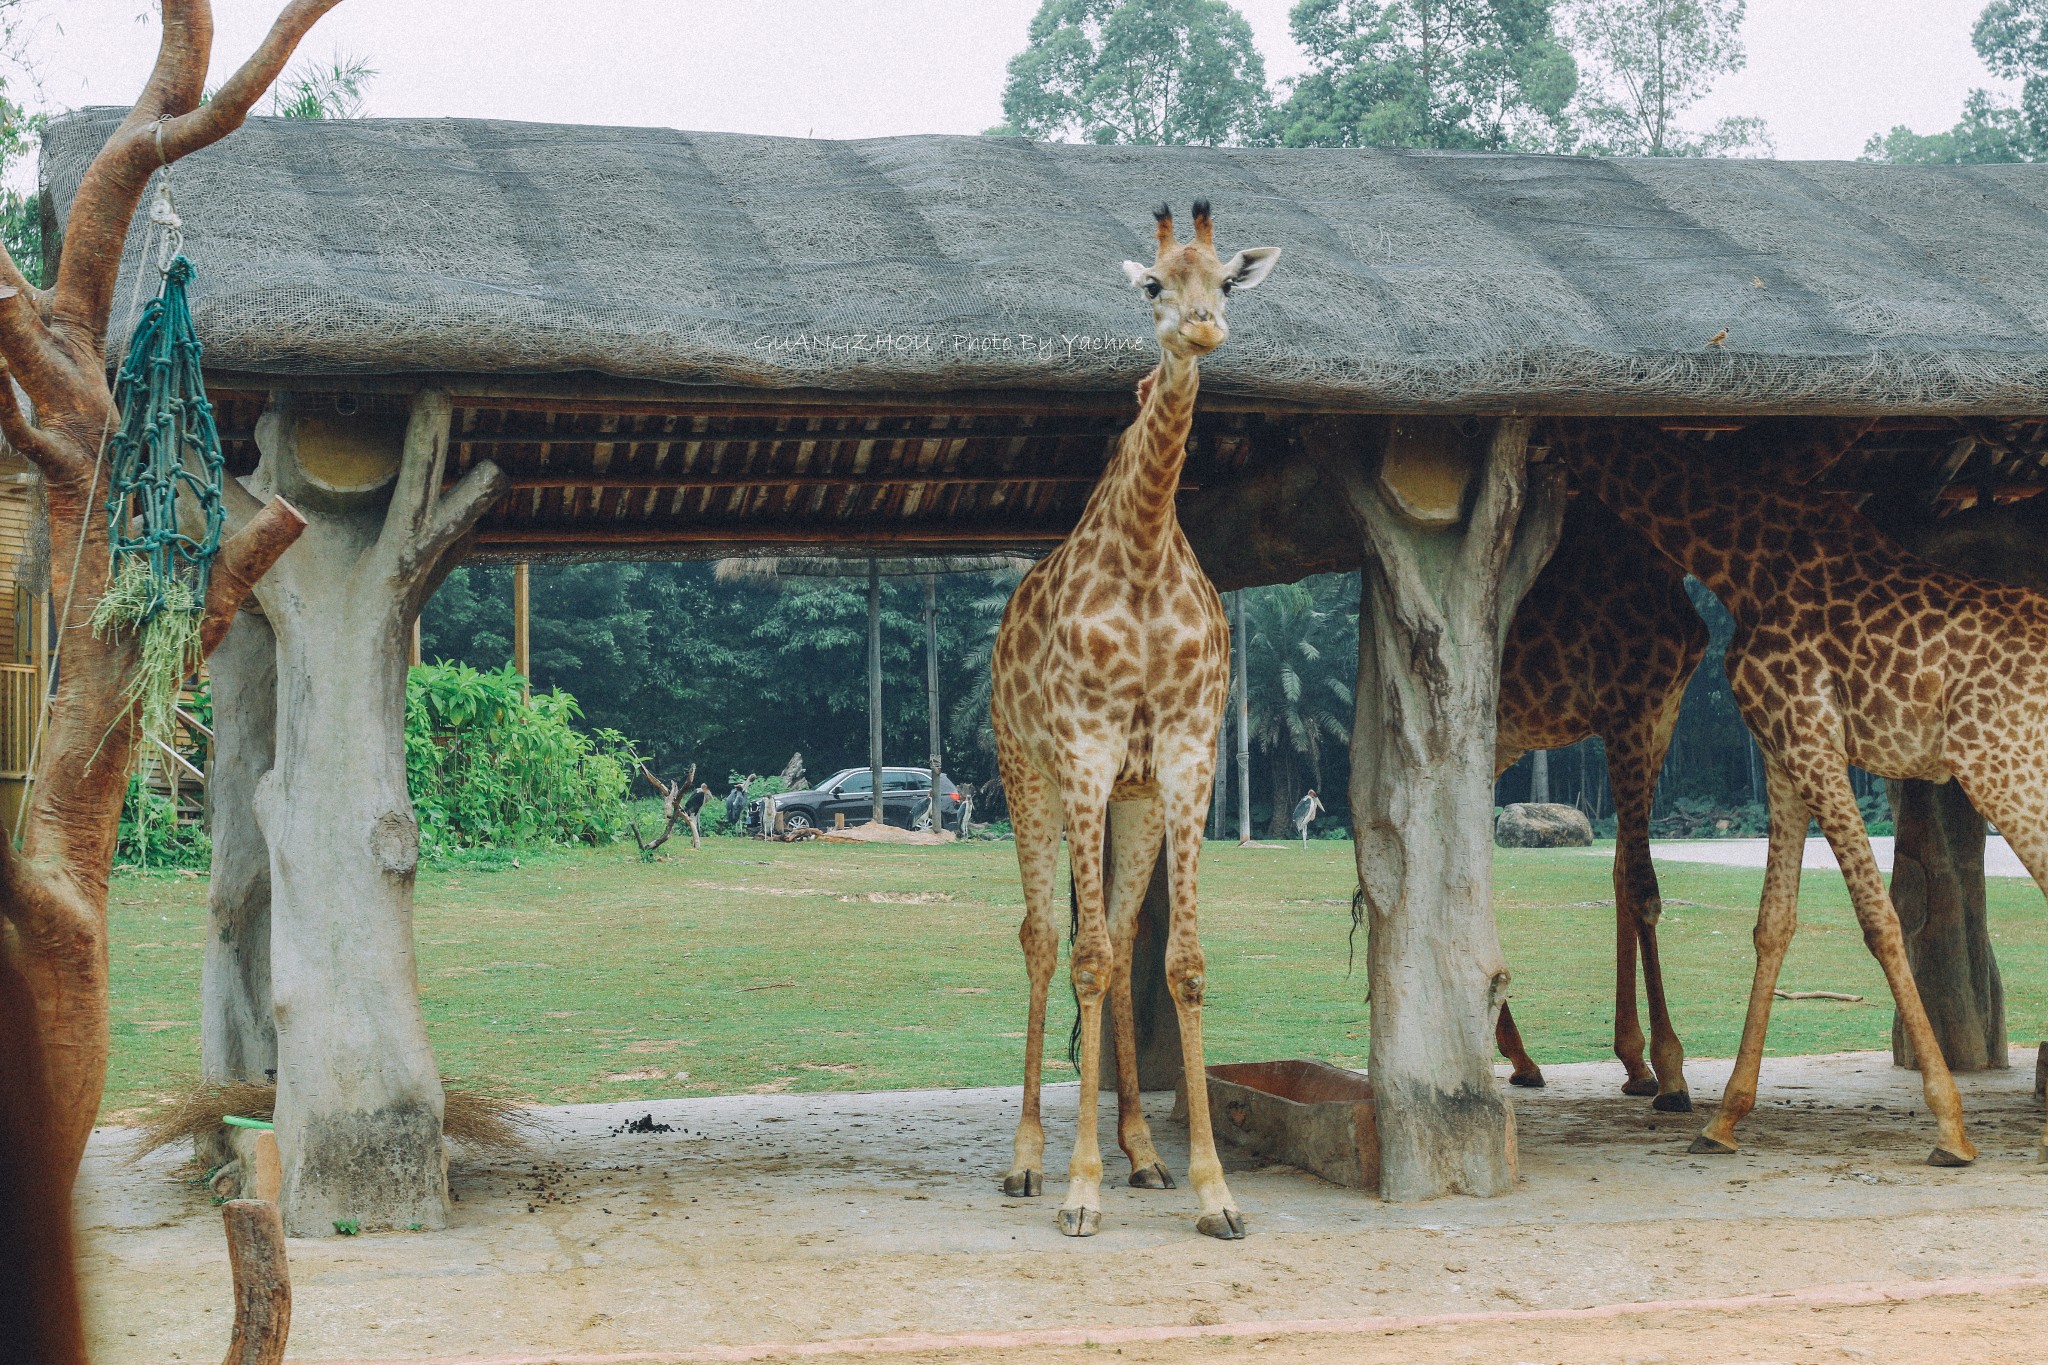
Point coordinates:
pixel 1826 74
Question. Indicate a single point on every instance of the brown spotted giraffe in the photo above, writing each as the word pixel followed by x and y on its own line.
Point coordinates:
pixel 1109 674
pixel 1847 649
pixel 1604 644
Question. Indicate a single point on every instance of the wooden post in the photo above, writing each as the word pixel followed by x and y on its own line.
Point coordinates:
pixel 1539 776
pixel 1938 888
pixel 931 690
pixel 875 683
pixel 522 641
pixel 1219 793
pixel 263 1282
pixel 1239 644
pixel 414 659
pixel 1447 560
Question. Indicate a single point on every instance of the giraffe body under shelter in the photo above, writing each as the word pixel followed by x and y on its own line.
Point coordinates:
pixel 1604 644
pixel 1847 649
pixel 1109 675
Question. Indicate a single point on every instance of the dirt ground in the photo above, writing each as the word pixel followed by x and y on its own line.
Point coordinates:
pixel 871 1226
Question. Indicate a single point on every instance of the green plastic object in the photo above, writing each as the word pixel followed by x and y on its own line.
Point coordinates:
pixel 237 1121
pixel 166 449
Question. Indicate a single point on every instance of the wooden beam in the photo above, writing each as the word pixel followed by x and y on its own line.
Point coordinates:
pixel 771 479
pixel 567 538
pixel 784 426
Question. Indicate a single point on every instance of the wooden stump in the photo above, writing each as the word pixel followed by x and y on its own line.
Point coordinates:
pixel 1938 886
pixel 263 1282
pixel 1435 601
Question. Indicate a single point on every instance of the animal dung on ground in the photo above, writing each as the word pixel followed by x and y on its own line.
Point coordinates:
pixel 644 1124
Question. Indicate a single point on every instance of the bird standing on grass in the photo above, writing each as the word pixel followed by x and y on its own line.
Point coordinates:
pixel 1305 812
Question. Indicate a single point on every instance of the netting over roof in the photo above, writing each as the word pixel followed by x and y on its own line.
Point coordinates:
pixel 1410 279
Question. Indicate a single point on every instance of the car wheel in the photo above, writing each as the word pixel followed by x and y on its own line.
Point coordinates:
pixel 794 820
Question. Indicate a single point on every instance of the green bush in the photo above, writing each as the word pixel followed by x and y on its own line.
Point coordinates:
pixel 150 837
pixel 491 767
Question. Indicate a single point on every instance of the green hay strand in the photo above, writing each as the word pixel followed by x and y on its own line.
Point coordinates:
pixel 167 613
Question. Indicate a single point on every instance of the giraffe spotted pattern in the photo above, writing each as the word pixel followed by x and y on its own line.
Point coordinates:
pixel 1108 682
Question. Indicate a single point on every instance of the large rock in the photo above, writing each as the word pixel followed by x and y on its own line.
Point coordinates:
pixel 1546 824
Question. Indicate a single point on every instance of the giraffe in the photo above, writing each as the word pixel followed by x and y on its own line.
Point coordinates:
pixel 1847 649
pixel 1108 681
pixel 1604 644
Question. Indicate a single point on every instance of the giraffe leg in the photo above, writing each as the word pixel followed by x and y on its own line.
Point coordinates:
pixel 1633 760
pixel 1508 1039
pixel 1834 805
pixel 1776 919
pixel 1134 831
pixel 1094 958
pixel 1186 977
pixel 2029 840
pixel 1035 816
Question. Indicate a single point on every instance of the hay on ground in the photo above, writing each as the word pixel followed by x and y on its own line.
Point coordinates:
pixel 475 1119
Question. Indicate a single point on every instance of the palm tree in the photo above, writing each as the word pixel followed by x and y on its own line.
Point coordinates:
pixel 335 88
pixel 1300 670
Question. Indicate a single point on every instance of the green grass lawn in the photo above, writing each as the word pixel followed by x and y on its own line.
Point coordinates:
pixel 767 967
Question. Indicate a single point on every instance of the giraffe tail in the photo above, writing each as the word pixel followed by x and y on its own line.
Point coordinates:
pixel 1073 932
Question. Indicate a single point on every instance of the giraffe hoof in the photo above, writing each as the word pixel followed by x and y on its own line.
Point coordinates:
pixel 1226 1225
pixel 1024 1184
pixel 1942 1156
pixel 1528 1080
pixel 1703 1145
pixel 1640 1086
pixel 1677 1102
pixel 1080 1222
pixel 1153 1177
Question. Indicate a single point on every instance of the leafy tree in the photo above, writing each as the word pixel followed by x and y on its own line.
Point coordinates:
pixel 1301 664
pixel 21 215
pixel 1648 61
pixel 2011 37
pixel 1482 74
pixel 1137 71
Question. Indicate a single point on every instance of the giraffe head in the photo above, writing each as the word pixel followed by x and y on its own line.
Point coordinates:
pixel 1189 284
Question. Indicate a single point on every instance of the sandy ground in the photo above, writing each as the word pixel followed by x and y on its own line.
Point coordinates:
pixel 1999 859
pixel 768 1227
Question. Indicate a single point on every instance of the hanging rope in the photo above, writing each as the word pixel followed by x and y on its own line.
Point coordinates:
pixel 165 456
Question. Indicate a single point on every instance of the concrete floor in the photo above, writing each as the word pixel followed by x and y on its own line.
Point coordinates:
pixel 794 1219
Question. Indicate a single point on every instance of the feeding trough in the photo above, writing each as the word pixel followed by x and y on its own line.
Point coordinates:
pixel 1303 1113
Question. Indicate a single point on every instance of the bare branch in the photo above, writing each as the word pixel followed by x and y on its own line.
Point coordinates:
pixel 1536 535
pixel 28 348
pixel 1497 507
pixel 113 185
pixel 243 558
pixel 459 510
pixel 420 466
pixel 40 449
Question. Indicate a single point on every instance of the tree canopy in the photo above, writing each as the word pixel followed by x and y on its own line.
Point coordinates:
pixel 1644 63
pixel 1137 71
pixel 2011 37
pixel 1484 74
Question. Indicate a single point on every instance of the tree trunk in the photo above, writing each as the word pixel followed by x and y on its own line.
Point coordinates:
pixel 875 684
pixel 1539 776
pixel 1159 1057
pixel 1440 584
pixel 1219 794
pixel 358 1098
pixel 237 1033
pixel 1938 887
pixel 1285 792
pixel 931 693
pixel 1240 645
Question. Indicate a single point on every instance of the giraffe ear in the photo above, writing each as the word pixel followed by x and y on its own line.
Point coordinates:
pixel 1134 272
pixel 1248 267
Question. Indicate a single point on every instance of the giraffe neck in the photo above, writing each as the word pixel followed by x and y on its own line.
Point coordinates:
pixel 1741 539
pixel 1135 497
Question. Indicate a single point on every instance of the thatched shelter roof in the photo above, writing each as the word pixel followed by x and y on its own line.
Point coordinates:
pixel 1411 280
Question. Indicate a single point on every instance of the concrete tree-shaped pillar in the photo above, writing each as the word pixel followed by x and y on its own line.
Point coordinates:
pixel 237 1033
pixel 1455 528
pixel 359 1099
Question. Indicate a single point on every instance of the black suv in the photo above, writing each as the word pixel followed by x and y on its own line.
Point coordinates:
pixel 906 792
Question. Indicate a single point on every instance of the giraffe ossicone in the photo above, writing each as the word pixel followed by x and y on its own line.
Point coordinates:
pixel 1109 674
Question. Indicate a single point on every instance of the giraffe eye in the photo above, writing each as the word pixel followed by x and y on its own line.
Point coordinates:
pixel 1151 289
pixel 1226 285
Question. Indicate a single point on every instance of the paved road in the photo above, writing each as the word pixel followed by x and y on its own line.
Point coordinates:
pixel 1999 859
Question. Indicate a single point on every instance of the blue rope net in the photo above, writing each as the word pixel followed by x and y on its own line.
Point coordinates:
pixel 167 449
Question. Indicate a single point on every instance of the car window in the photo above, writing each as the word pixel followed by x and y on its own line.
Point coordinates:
pixel 858 782
pixel 905 782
